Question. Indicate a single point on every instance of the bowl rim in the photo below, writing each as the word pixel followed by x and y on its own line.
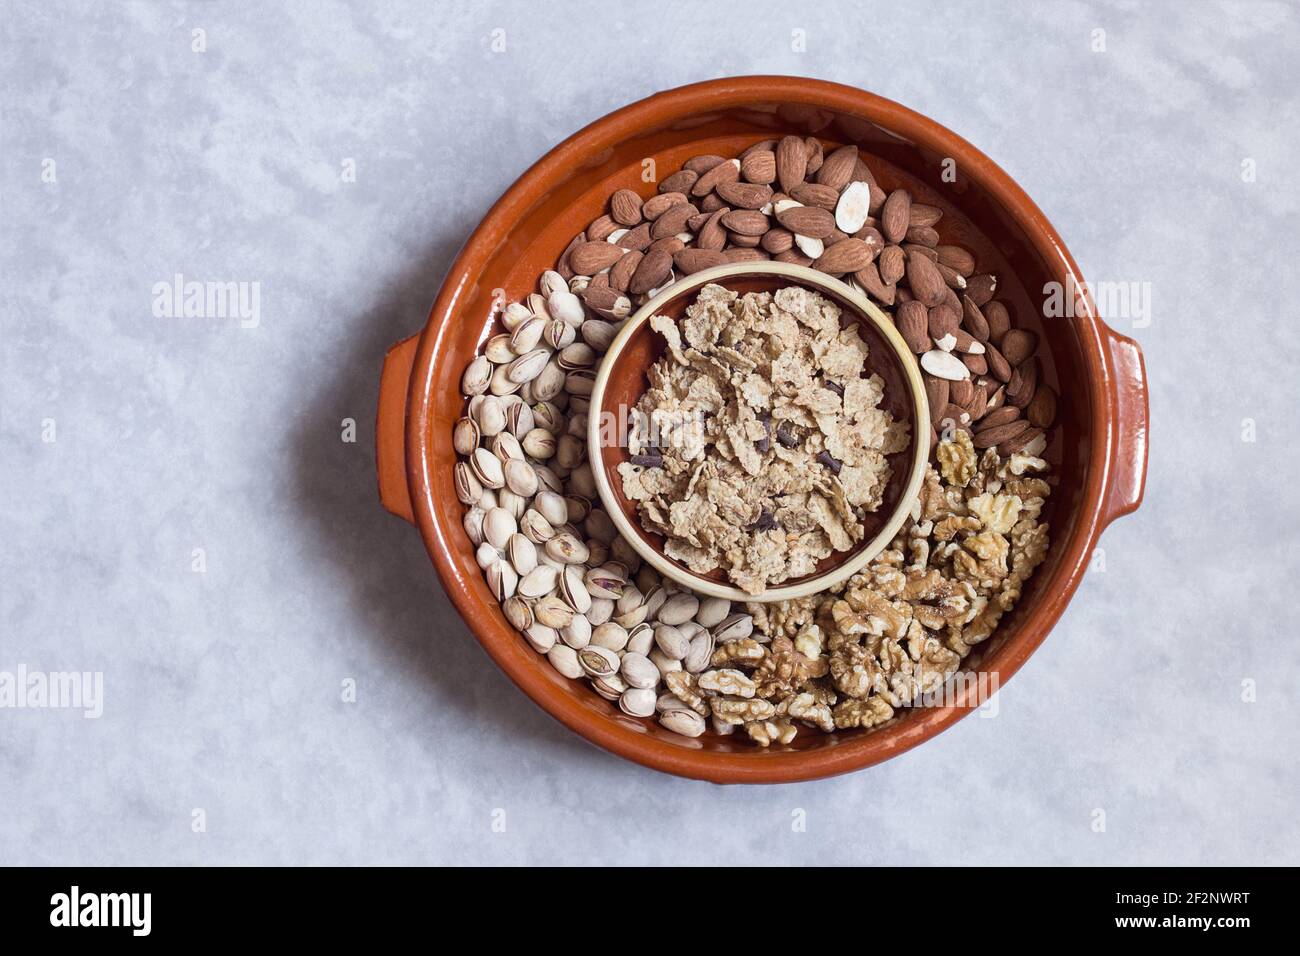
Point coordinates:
pixel 424 448
pixel 802 275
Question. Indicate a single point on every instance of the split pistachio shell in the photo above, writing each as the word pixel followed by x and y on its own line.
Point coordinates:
pixel 684 722
pixel 598 661
pixel 565 660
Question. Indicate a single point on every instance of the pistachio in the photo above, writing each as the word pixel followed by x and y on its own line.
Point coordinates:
pixel 611 686
pixel 498 350
pixel 577 633
pixel 662 661
pixel 552 612
pixel 560 334
pixel 579 508
pixel 486 555
pixel 699 653
pixel 465 436
pixel 518 613
pixel 638 671
pixel 501 383
pixel 565 660
pixel 468 489
pixel 713 611
pixel 511 502
pixel 547 417
pixel 573 590
pixel 566 306
pixel 539 443
pixel 668 701
pixel 535 527
pixel 600 611
pixel 579 355
pixel 552 507
pixel 598 661
pixel 734 627
pixel 679 608
pixel 507 448
pixel 552 282
pixel 640 639
pixel 570 451
pixel 671 641
pixel 684 722
pixel 528 366
pixel 540 637
pixel 522 553
pixel 519 419
pixel 610 635
pixel 520 477
pixel 606 582
pixel 515 314
pixel 637 702
pixel 498 526
pixel 487 468
pixel 490 416
pixel 549 384
pixel 473 525
pixel 502 580
pixel 539 582
pixel 477 376
pixel 567 548
pixel 525 338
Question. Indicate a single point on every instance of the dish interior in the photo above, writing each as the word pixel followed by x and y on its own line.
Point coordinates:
pixel 972 218
pixel 627 383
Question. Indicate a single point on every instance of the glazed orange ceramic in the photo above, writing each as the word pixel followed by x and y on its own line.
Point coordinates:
pixel 1100 454
pixel 622 380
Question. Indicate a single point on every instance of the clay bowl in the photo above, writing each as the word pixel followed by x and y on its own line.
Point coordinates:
pixel 1099 452
pixel 621 380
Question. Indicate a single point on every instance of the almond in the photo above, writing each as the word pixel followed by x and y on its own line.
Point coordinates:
pixel 637 238
pixel 815 155
pixel 712 237
pixel 937 391
pixel 745 255
pixel 711 203
pixel 941 321
pixel 981 287
pixel 872 237
pixel 693 260
pixel 679 182
pixel 978 364
pixel 793 256
pixel 892 264
pixel 978 403
pixel 702 164
pixel 923 215
pixel 620 275
pixel 966 342
pixel 1000 416
pixel 998 318
pixel 922 235
pixel 924 280
pixel 988 437
pixel 654 269
pixel 777 240
pixel 1013 445
pixel 791 162
pixel 869 279
pixel 852 209
pixel 1024 390
pixel 837 169
pixel 944 364
pixel 656 206
pixel 893 215
pixel 913 326
pixel 669 244
pixel 847 255
pixel 625 207
pixel 1042 409
pixel 673 221
pixel 808 221
pixel 1016 345
pixel 962 392
pixel 759 166
pixel 590 257
pixel 746 222
pixel 956 258
pixel 601 228
pixel 812 194
pixel 740 195
pixel 997 364
pixel 725 172
pixel 563 266
pixel 861 173
pixel 973 319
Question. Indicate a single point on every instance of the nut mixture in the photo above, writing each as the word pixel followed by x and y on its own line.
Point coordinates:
pixel 579 594
pixel 759 445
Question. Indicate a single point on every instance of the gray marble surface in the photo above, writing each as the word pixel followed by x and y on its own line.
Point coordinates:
pixel 130 440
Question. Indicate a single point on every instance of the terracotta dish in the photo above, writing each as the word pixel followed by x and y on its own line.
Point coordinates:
pixel 1101 451
pixel 622 380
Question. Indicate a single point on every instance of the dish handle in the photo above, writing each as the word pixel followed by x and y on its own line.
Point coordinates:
pixel 1132 413
pixel 390 428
